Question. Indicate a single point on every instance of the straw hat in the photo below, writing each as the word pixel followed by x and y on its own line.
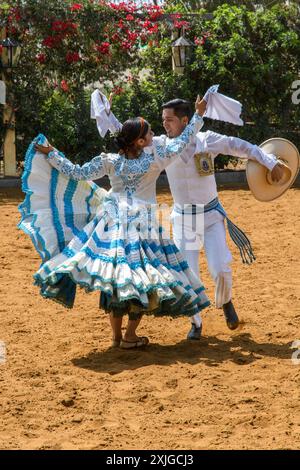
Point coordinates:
pixel 259 178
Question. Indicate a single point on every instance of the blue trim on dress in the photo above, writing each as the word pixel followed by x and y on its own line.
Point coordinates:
pixel 25 207
pixel 55 277
pixel 69 212
pixel 180 267
pixel 56 222
pixel 176 307
pixel 88 199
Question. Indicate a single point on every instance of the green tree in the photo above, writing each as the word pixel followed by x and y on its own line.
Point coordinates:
pixel 212 5
pixel 253 55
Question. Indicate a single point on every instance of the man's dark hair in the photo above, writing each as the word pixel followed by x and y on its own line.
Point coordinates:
pixel 181 108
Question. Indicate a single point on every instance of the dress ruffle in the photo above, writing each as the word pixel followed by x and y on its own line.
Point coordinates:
pixel 90 238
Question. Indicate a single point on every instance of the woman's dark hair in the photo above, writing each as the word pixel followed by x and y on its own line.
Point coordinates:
pixel 132 130
pixel 182 108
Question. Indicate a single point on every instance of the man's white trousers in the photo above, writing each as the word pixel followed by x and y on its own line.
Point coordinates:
pixel 191 233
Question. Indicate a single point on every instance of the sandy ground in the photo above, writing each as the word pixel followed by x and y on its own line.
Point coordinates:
pixel 61 387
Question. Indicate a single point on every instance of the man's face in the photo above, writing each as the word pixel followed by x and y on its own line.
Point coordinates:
pixel 173 125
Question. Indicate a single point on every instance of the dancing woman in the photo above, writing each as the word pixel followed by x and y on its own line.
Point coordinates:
pixel 108 241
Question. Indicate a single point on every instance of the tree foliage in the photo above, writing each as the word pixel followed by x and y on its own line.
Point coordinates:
pixel 253 54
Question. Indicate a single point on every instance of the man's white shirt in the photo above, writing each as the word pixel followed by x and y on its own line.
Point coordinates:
pixel 188 186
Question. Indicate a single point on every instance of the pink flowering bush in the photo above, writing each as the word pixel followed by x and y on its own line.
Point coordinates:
pixel 80 42
pixel 66 46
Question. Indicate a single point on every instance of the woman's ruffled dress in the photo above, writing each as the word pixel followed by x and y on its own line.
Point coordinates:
pixel 106 241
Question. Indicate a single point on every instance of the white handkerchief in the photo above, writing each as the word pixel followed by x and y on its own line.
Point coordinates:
pixel 100 110
pixel 222 107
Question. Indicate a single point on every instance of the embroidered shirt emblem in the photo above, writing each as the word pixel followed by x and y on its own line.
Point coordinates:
pixel 204 164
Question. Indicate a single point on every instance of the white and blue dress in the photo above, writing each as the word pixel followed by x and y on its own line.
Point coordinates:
pixel 107 241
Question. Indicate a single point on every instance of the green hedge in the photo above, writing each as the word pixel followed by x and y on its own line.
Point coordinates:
pixel 253 55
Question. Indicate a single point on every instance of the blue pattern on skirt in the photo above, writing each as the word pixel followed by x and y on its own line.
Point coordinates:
pixel 81 243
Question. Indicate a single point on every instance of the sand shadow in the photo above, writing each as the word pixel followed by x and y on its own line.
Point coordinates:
pixel 211 351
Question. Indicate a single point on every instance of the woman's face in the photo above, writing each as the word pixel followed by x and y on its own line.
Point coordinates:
pixel 148 138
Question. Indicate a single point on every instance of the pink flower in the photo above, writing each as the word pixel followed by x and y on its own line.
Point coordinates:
pixel 130 18
pixel 66 27
pixel 147 24
pixel 64 86
pixel 51 41
pixel 104 48
pixel 144 38
pixel 126 45
pixel 76 7
pixel 115 38
pixel 182 24
pixel 72 57
pixel 41 58
pixel 199 41
pixel 154 12
pixel 175 16
pixel 11 30
pixel 153 29
pixel 117 90
pixel 15 15
pixel 58 26
pixel 126 7
pixel 132 36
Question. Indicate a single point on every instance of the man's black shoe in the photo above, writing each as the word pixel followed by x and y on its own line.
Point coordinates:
pixel 195 332
pixel 232 319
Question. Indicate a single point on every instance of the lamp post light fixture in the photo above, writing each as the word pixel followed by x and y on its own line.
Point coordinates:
pixel 10 55
pixel 181 49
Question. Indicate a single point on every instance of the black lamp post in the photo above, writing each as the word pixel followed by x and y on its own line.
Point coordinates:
pixel 180 53
pixel 11 51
